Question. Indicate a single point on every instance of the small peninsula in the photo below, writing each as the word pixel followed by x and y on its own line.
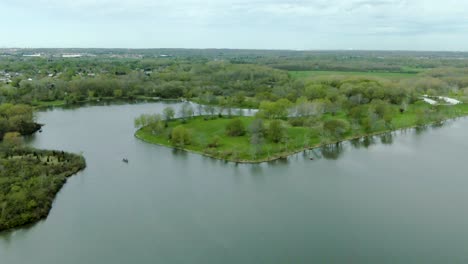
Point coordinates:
pixel 262 137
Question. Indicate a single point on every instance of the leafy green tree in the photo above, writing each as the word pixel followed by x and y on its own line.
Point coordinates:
pixel 235 128
pixel 274 110
pixel 12 139
pixel 118 93
pixel 186 111
pixel 276 131
pixel 180 136
pixel 336 128
pixel 156 124
pixel 168 113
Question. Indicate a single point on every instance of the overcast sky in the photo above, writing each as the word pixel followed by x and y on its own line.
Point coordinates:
pixel 257 24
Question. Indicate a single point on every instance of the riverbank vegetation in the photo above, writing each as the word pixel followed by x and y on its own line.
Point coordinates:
pixel 29 181
pixel 29 178
pixel 17 118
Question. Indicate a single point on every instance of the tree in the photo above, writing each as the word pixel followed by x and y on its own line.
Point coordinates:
pixel 257 127
pixel 276 131
pixel 315 91
pixel 239 98
pixel 186 111
pixel 274 110
pixel 235 128
pixel 168 113
pixel 155 124
pixel 257 134
pixel 12 139
pixel 180 136
pixel 200 109
pixel 209 110
pixel 336 128
pixel 118 93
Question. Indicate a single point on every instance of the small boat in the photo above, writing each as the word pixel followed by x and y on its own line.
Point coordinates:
pixel 125 160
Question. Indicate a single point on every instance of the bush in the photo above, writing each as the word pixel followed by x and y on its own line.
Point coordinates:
pixel 336 128
pixel 235 128
pixel 180 136
pixel 276 131
pixel 214 142
pixel 297 122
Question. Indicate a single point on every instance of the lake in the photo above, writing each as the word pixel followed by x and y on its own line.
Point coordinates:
pixel 397 198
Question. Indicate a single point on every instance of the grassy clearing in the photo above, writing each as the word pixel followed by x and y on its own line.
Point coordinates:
pixel 230 148
pixel 387 75
pixel 240 149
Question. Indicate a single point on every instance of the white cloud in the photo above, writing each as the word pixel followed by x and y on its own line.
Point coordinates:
pixel 337 21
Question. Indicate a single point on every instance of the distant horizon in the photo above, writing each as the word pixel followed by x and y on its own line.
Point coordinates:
pixel 246 49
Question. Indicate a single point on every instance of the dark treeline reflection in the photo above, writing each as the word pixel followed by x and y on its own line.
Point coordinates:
pixel 364 142
pixel 332 151
pixel 420 129
pixel 386 138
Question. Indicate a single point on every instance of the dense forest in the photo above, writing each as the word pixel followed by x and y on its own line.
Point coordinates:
pixel 29 180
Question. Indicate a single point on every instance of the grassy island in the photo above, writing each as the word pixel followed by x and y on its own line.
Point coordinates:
pixel 259 139
pixel 208 137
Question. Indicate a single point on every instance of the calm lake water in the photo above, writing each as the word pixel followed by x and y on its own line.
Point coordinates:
pixel 400 198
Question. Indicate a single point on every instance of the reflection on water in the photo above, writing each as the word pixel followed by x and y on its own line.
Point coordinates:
pixel 179 153
pixel 438 124
pixel 363 142
pixel 420 129
pixel 386 138
pixel 332 151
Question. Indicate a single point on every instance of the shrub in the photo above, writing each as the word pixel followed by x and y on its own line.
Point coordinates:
pixel 276 131
pixel 235 128
pixel 214 142
pixel 180 136
pixel 336 128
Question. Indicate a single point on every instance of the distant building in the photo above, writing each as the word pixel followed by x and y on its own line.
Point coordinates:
pixel 71 55
pixel 32 55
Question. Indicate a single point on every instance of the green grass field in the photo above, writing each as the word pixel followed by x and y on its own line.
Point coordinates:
pixel 386 75
pixel 232 148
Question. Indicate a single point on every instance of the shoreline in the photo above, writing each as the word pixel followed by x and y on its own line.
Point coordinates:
pixel 50 200
pixel 46 214
pixel 62 104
